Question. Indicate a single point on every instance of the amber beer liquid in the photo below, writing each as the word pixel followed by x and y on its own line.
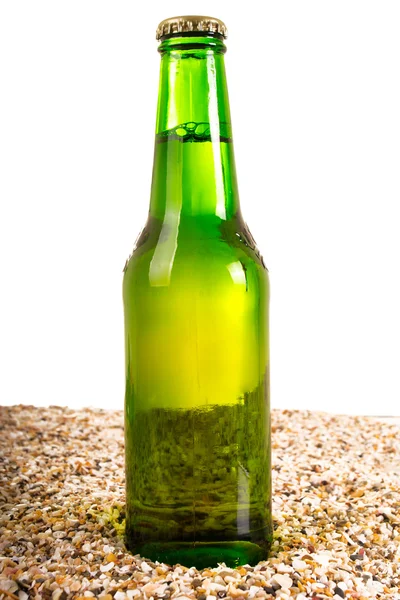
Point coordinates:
pixel 196 295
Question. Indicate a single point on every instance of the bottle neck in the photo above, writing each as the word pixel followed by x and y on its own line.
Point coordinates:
pixel 194 171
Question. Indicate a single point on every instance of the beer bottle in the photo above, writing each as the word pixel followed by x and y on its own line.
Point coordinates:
pixel 196 293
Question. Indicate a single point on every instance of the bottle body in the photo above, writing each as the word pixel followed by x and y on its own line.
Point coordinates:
pixel 197 419
pixel 197 406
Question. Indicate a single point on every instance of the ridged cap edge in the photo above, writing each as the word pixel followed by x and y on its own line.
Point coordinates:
pixel 191 23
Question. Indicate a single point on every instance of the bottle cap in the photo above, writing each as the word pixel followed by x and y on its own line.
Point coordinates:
pixel 191 24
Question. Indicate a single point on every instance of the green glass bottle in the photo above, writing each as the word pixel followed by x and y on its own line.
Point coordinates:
pixel 196 294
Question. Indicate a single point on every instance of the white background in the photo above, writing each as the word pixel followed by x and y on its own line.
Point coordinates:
pixel 315 102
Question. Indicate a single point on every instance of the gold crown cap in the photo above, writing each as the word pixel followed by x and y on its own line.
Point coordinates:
pixel 191 23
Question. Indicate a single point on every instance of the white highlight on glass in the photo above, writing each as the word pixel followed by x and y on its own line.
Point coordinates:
pixel 237 272
pixel 215 137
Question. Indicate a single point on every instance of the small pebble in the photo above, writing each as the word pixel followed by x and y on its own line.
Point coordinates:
pixel 269 590
pixel 145 567
pixel 356 556
pixel 299 565
pixel 283 580
pixel 59 594
pixel 217 587
pixel 235 592
pixel 75 586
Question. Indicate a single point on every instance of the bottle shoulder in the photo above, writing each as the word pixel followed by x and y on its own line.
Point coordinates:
pixel 209 248
pixel 198 235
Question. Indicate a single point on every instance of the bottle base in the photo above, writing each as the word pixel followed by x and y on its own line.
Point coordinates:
pixel 202 555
